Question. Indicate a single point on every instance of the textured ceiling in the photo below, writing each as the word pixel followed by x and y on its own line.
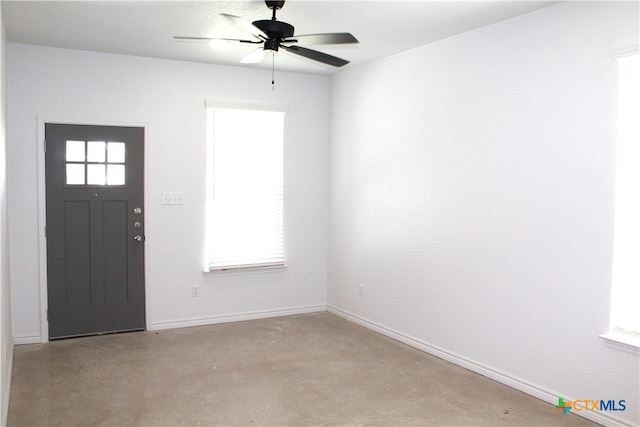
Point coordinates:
pixel 146 28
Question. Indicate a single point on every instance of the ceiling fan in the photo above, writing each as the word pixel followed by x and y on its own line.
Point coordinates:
pixel 273 35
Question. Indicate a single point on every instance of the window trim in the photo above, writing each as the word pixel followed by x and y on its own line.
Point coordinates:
pixel 256 106
pixel 622 340
pixel 242 270
pixel 615 337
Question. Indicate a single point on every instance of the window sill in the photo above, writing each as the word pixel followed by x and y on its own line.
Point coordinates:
pixel 627 342
pixel 234 271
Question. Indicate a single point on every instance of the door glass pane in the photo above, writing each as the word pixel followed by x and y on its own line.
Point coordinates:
pixel 75 174
pixel 74 151
pixel 115 174
pixel 95 151
pixel 115 152
pixel 95 174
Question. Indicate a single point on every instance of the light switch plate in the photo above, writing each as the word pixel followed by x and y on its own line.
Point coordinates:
pixel 171 198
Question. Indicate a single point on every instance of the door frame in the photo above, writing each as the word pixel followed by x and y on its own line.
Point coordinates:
pixel 42 210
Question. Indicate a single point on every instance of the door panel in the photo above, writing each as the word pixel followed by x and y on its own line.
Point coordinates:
pixel 77 263
pixel 115 260
pixel 95 267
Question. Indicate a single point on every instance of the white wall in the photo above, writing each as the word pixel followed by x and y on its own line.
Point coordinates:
pixel 471 193
pixel 6 339
pixel 168 97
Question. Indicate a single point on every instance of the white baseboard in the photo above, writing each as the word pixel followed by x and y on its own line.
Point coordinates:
pixel 28 339
pixel 6 391
pixel 203 321
pixel 494 374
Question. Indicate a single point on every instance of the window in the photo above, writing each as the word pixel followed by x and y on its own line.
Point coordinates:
pixel 94 163
pixel 625 292
pixel 244 188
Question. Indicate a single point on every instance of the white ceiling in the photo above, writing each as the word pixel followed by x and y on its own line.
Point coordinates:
pixel 146 28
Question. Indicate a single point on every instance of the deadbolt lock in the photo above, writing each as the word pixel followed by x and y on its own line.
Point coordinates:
pixel 137 239
pixel 137 211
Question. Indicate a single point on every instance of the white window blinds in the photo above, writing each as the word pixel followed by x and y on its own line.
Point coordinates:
pixel 245 206
pixel 625 292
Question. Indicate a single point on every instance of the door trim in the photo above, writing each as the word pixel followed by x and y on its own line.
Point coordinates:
pixel 42 210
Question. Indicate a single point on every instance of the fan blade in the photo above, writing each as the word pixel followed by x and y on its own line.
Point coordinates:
pixel 246 26
pixel 208 39
pixel 328 38
pixel 316 56
pixel 254 57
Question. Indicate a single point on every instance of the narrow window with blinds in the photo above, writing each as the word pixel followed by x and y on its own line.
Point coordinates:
pixel 625 290
pixel 244 188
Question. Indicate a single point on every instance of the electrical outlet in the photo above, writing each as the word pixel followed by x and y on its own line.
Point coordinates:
pixel 195 291
pixel 361 289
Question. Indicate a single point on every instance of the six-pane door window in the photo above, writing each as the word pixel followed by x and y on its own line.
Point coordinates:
pixel 94 163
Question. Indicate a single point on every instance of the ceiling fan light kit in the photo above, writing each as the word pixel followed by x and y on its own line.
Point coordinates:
pixel 273 35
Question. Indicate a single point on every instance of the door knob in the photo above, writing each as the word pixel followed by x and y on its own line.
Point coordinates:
pixel 137 239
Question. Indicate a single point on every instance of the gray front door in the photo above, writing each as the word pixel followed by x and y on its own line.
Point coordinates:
pixel 95 229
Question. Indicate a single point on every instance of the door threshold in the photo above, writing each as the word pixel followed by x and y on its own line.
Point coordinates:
pixel 96 334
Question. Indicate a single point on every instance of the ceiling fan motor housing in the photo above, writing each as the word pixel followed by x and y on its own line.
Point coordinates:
pixel 276 30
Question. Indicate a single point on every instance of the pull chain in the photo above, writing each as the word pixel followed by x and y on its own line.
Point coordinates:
pixel 273 71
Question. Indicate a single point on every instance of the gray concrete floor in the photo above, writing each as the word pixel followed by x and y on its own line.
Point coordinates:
pixel 315 369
